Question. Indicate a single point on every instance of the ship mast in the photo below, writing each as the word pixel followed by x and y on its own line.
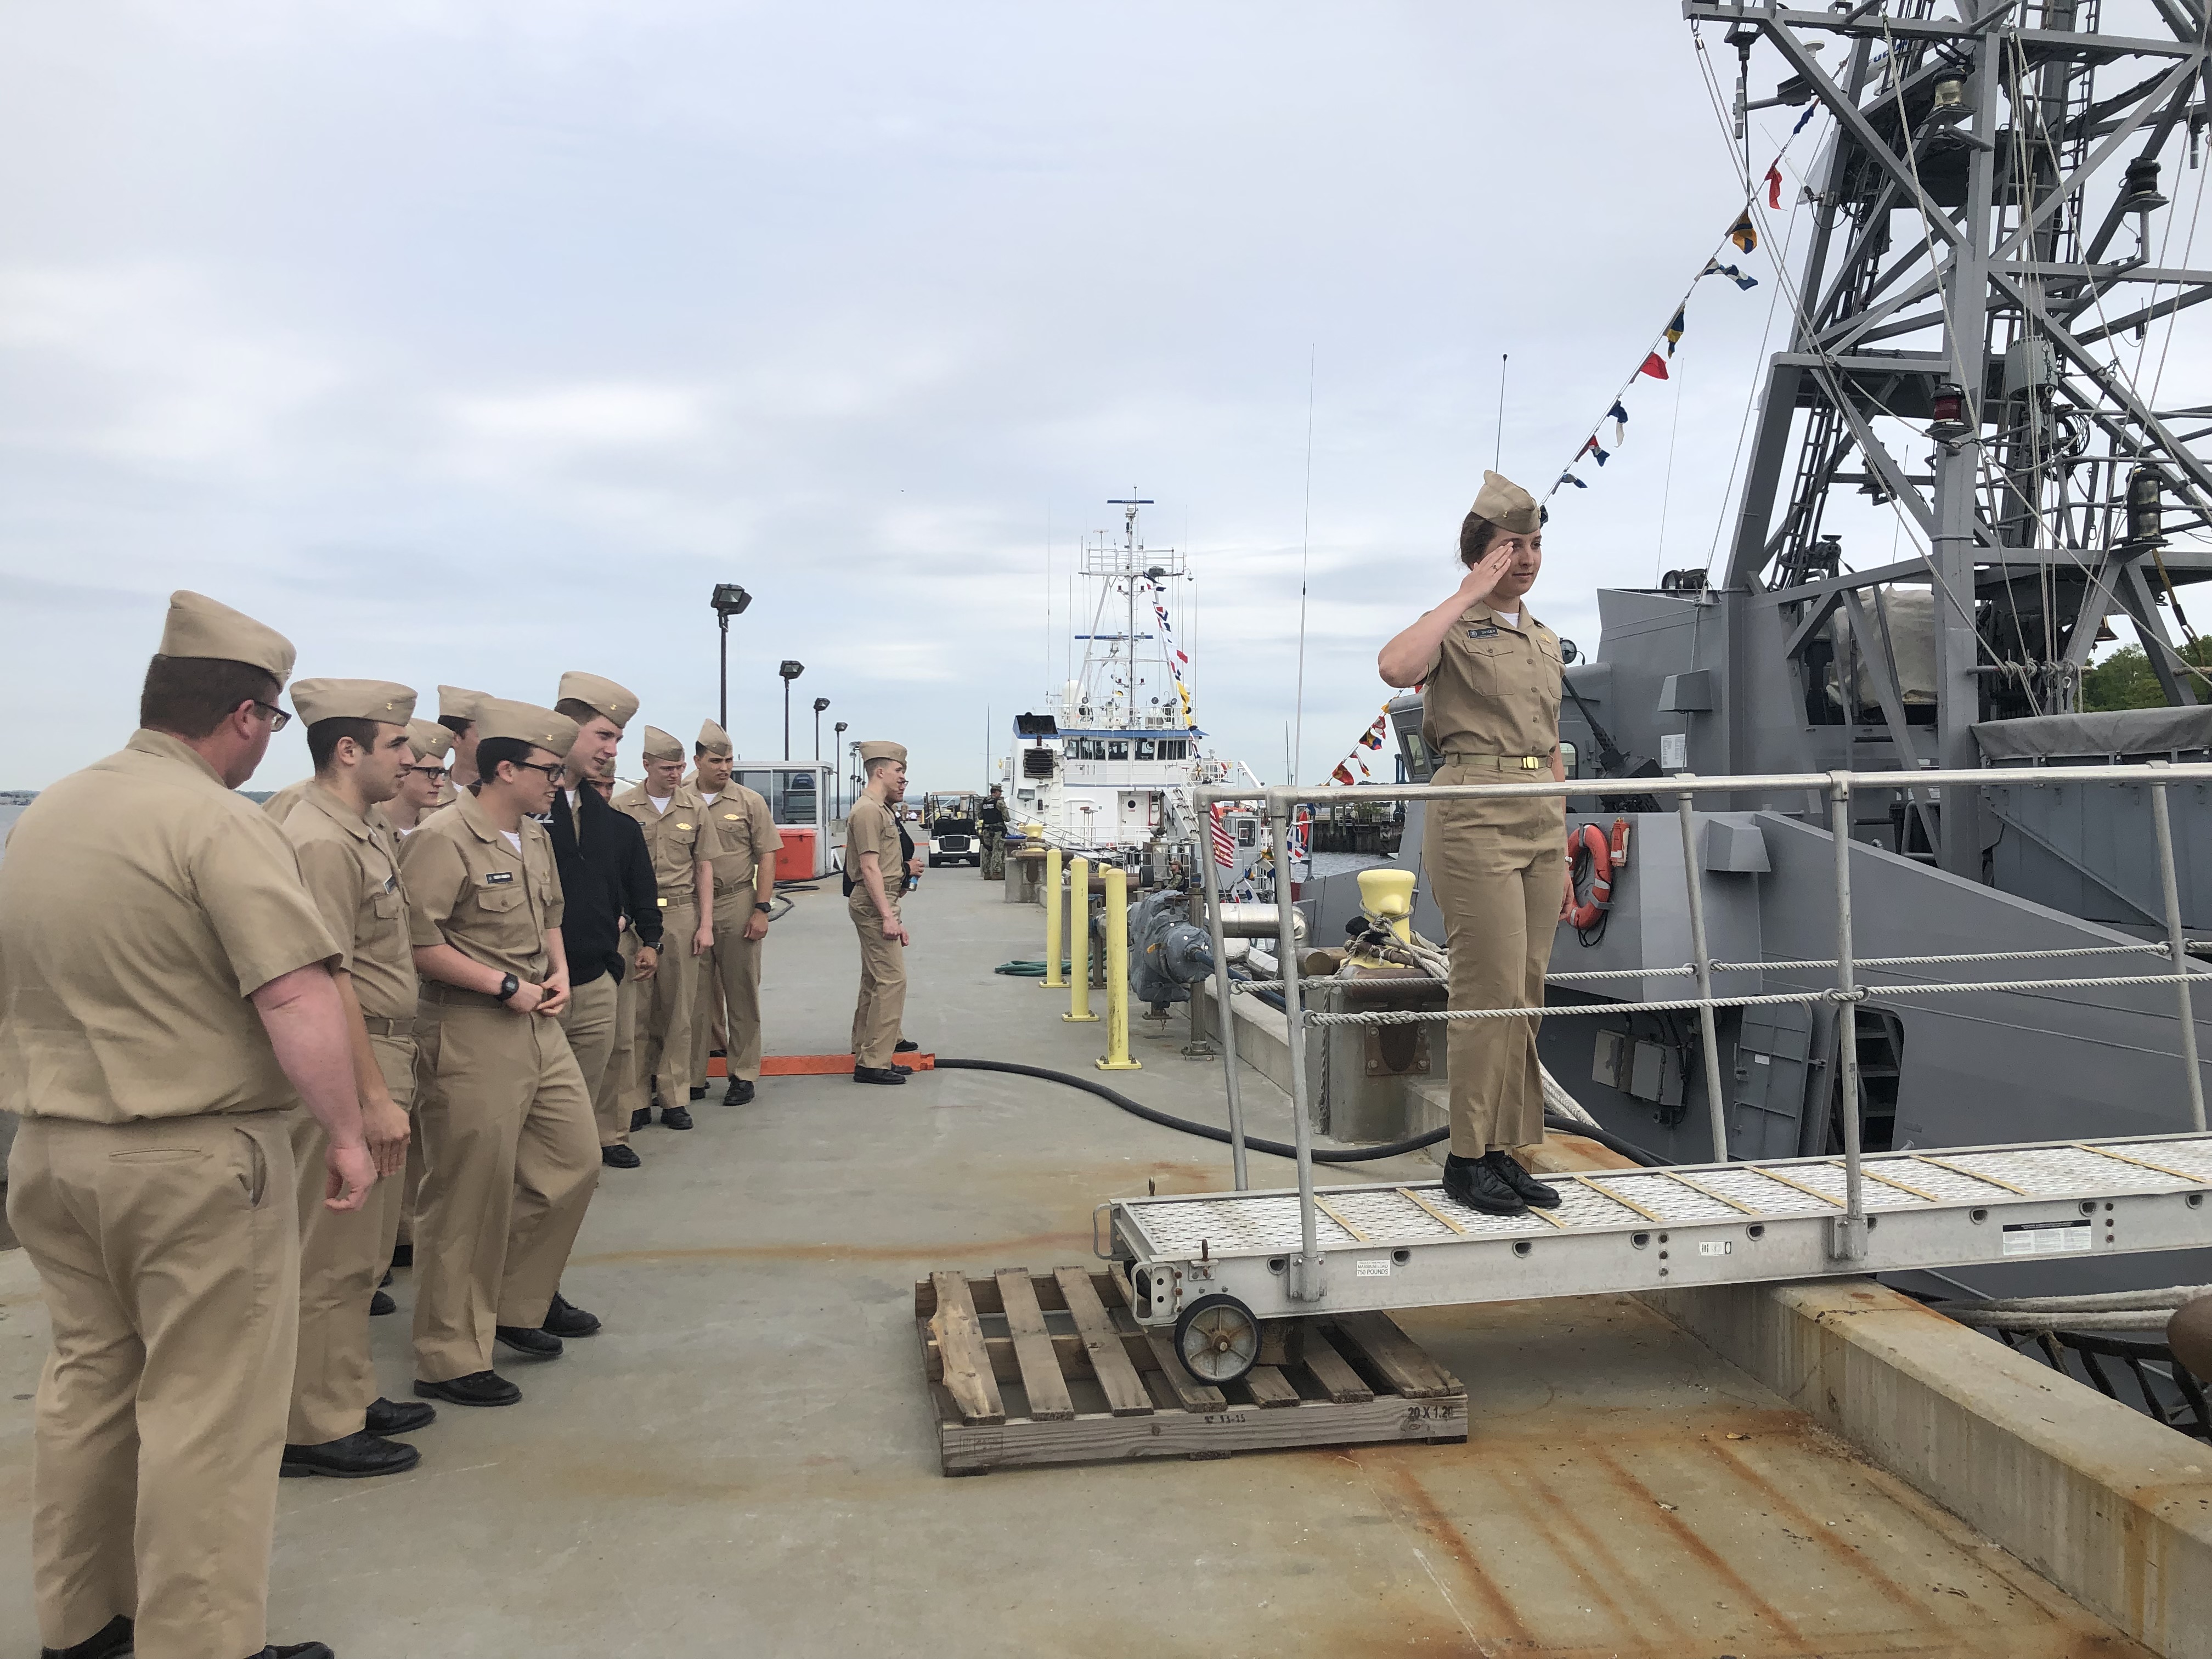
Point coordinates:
pixel 1985 232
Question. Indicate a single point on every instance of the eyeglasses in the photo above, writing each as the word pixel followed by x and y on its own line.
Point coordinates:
pixel 429 771
pixel 279 718
pixel 551 769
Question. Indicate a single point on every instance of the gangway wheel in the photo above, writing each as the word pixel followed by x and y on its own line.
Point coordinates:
pixel 1218 1339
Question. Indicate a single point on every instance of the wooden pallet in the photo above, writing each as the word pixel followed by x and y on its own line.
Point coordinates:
pixel 1087 1385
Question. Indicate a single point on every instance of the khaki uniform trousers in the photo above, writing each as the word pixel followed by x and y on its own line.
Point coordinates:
pixel 343 1255
pixel 664 1003
pixel 729 991
pixel 1495 869
pixel 511 1158
pixel 169 1253
pixel 882 1002
pixel 589 1023
pixel 611 1098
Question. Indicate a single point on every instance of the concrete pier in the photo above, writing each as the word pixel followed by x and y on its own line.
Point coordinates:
pixel 743 1463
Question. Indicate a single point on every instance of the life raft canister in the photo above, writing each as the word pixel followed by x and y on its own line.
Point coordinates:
pixel 1592 842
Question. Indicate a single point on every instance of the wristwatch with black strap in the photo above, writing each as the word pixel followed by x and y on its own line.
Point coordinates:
pixel 509 985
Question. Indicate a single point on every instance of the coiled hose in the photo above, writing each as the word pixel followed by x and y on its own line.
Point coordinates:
pixel 1279 1149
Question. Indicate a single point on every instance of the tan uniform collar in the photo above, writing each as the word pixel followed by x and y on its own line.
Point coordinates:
pixel 478 820
pixel 336 811
pixel 146 741
pixel 1487 612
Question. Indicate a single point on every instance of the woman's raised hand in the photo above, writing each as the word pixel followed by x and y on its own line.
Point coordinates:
pixel 1484 575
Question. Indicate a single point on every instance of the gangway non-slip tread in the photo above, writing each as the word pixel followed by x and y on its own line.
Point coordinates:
pixel 1402 1244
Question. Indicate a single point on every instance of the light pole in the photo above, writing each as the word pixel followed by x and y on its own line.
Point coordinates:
pixel 790 671
pixel 837 782
pixel 820 704
pixel 729 600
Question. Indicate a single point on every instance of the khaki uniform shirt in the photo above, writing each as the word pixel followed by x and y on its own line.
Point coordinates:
pixel 467 888
pixel 677 839
pixel 279 805
pixel 351 868
pixel 750 838
pixel 869 828
pixel 1491 690
pixel 141 903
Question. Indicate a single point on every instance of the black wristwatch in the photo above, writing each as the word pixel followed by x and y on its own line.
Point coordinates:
pixel 764 908
pixel 507 986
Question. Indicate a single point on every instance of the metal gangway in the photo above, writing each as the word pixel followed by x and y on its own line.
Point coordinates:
pixel 1213 1265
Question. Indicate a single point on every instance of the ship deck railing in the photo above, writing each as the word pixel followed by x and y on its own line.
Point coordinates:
pixel 1845 1195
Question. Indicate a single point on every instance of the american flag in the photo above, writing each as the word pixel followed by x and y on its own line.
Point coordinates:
pixel 1224 844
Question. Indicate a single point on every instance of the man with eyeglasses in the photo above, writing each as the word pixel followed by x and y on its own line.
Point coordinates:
pixel 166 1000
pixel 423 787
pixel 509 1154
pixel 683 842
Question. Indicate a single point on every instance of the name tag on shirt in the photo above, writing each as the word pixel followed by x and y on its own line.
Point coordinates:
pixel 1482 633
pixel 499 878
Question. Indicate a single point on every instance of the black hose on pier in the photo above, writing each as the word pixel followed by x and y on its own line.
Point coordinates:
pixel 1279 1149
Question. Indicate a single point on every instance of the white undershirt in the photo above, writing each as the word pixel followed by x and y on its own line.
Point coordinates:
pixel 572 799
pixel 1510 618
pixel 660 802
pixel 513 838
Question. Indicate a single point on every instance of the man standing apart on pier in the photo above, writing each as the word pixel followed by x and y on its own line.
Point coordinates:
pixel 744 885
pixel 990 822
pixel 349 861
pixel 510 1156
pixel 683 842
pixel 165 1001
pixel 875 877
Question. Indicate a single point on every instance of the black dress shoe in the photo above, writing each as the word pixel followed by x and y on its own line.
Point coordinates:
pixel 641 1119
pixel 880 1074
pixel 619 1157
pixel 698 1091
pixel 1530 1189
pixel 476 1389
pixel 905 1047
pixel 403 1255
pixel 1476 1183
pixel 386 1280
pixel 380 1304
pixel 675 1117
pixel 565 1318
pixel 111 1639
pixel 739 1093
pixel 355 1457
pixel 400 1416
pixel 529 1340
pixel 295 1651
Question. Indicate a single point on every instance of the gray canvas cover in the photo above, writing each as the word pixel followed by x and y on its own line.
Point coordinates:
pixel 2116 731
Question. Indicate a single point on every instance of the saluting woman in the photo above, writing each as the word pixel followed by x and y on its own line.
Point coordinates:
pixel 1497 868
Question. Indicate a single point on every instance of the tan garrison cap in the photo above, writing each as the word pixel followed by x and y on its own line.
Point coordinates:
pixel 495 717
pixel 1508 505
pixel 712 740
pixel 617 702
pixel 354 700
pixel 876 751
pixel 659 747
pixel 429 740
pixel 457 703
pixel 199 627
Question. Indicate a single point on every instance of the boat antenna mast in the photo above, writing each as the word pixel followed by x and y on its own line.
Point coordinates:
pixel 1984 236
pixel 1120 668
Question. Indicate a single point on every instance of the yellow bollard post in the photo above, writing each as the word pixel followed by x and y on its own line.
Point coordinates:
pixel 1117 974
pixel 1055 906
pixel 1078 942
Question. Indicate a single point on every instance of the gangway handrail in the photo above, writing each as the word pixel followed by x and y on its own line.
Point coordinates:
pixel 1847 1235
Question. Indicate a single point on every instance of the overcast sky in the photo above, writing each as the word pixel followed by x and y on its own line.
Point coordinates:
pixel 474 342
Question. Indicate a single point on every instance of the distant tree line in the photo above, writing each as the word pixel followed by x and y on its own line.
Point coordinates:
pixel 2124 680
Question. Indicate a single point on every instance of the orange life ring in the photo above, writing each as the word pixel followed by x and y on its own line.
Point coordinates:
pixel 1592 840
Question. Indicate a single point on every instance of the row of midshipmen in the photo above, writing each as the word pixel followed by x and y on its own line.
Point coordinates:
pixel 468 989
